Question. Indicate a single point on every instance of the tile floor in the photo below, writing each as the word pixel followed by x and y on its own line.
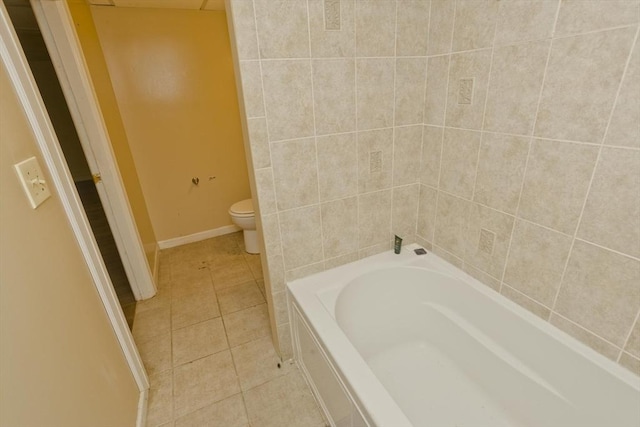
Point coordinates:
pixel 206 344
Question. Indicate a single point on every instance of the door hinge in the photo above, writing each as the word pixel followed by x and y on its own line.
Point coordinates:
pixel 96 178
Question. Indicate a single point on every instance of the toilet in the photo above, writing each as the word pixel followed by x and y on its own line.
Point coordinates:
pixel 243 216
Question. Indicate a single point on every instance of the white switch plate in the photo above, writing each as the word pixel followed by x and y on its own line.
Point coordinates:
pixel 33 182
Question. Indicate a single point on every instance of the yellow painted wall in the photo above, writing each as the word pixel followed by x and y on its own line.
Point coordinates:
pixel 60 362
pixel 94 57
pixel 172 74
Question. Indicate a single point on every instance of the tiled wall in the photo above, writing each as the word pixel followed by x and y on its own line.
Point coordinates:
pixel 504 134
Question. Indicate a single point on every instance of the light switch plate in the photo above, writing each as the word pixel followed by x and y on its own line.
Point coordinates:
pixel 33 182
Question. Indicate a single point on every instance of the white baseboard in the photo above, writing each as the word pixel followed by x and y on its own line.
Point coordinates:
pixel 196 237
pixel 156 263
pixel 141 420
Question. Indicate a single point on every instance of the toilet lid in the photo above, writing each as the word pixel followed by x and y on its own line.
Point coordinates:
pixel 242 207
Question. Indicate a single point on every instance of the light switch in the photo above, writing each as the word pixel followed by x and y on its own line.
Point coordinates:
pixel 33 182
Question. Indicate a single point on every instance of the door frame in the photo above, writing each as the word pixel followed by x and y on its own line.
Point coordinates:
pixel 28 94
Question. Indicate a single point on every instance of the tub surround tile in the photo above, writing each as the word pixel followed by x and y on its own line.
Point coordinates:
pixel 375 249
pixel 375 159
pixel 197 341
pixel 410 80
pixel 451 220
pixel 600 291
pixel 405 212
pixel 295 173
pixel 375 27
pixel 481 276
pixel 280 308
pixel 252 88
pixel 229 412
pixel 334 95
pixel 474 24
pixel 465 107
pixel 583 71
pixel 340 227
pixel 579 16
pixel 334 43
pixel 520 21
pixel 633 344
pixel 302 244
pixel 586 337
pixel 431 155
pixel 259 140
pixel 427 212
pixel 459 160
pixel 257 363
pixel 244 22
pixel 239 297
pixel 412 28
pixel 524 301
pixel 448 257
pixel 266 191
pixel 406 161
pixel 341 260
pixel 630 362
pixel 160 405
pixel 283 30
pixel 300 272
pixel 284 341
pixel 440 26
pixel 624 129
pixel 337 177
pixel 374 218
pixel 375 92
pixel 436 90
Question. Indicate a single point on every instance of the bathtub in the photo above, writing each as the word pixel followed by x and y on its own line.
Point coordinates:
pixel 409 340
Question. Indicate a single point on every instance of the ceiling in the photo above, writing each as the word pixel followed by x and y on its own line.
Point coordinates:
pixel 165 4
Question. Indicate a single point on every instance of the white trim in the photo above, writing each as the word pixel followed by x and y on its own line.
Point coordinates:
pixel 156 262
pixel 29 96
pixel 196 237
pixel 64 48
pixel 143 402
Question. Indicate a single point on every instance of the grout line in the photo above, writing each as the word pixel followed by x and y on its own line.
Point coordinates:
pixel 393 119
pixel 357 129
pixel 628 337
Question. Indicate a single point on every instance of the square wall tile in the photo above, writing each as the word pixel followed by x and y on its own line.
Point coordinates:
pixel 409 86
pixel 600 291
pixel 375 93
pixel 244 23
pixel 611 216
pixel 334 95
pixel 375 27
pixel 467 90
pixel 580 16
pixel 271 233
pixel 405 212
pixel 459 160
pixel 374 218
pixel 585 336
pixel 288 98
pixel 536 261
pixel 337 166
pixel 375 159
pixel 301 236
pixel 514 89
pixel 259 141
pixel 441 26
pixel 581 84
pixel 340 227
pixel 252 88
pixel 501 165
pixel 556 183
pixel 407 150
pixel 427 212
pixel 624 129
pixel 520 21
pixel 412 27
pixel 633 344
pixel 431 155
pixel 474 24
pixel 524 301
pixel 283 30
pixel 332 43
pixel 436 90
pixel 295 173
pixel 451 222
pixel 266 191
pixel 630 362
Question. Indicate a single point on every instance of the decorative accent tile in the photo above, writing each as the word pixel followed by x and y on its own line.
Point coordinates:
pixel 332 14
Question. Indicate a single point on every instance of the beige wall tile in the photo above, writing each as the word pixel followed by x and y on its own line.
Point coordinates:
pixel 266 191
pixel 431 154
pixel 247 325
pixel 244 22
pixel 373 145
pixel 520 21
pixel 412 27
pixel 581 84
pixel 501 165
pixel 600 291
pixel 526 302
pixel 405 212
pixel 280 307
pixel 375 28
pixel 611 215
pixel 337 166
pixel 556 183
pixel 436 90
pixel 459 160
pixel 295 173
pixel 341 260
pixel 332 43
pixel 271 234
pixel 374 218
pixel 451 222
pixel 466 66
pixel 579 16
pixel 301 239
pixel 448 257
pixel 440 26
pixel 283 30
pixel 284 341
pixel 633 345
pixel 375 93
pixel 514 89
pixel 474 24
pixel 259 141
pixel 410 87
pixel 536 261
pixel 334 95
pixel 427 212
pixel 624 129
pixel 584 336
pixel 630 362
pixel 488 235
pixel 252 88
pixel 482 277
pixel 198 340
pixel 229 412
pixel 407 146
pixel 307 270
pixel 288 98
pixel 340 227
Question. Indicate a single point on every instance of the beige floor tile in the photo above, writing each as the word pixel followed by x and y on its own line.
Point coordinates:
pixel 229 412
pixel 161 299
pixel 194 308
pixel 169 424
pixel 203 382
pixel 260 284
pixel 247 325
pixel 257 362
pixel 239 297
pixel 199 340
pixel 160 409
pixel 255 265
pixel 156 353
pixel 284 401
pixel 231 274
pixel 151 323
pixel 185 288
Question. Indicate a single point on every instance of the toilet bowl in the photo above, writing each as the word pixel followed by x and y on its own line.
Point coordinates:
pixel 243 215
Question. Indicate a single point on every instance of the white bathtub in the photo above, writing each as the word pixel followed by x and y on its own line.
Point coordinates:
pixel 408 340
